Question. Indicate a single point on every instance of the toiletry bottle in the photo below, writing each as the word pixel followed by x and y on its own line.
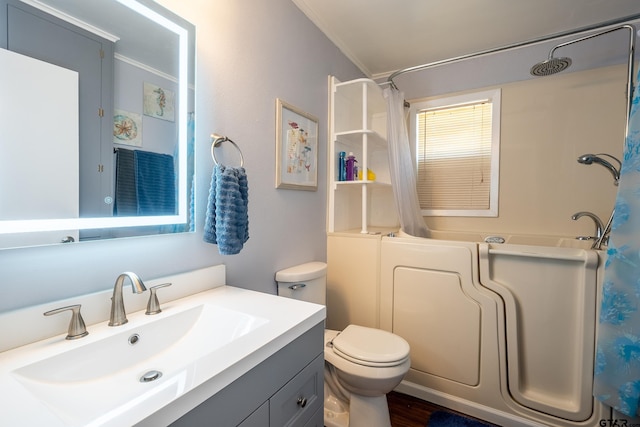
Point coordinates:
pixel 342 167
pixel 351 163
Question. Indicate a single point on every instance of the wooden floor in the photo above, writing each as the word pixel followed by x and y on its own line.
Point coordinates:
pixel 408 411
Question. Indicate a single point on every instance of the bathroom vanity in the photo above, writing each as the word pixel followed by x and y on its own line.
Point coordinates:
pixel 284 390
pixel 215 355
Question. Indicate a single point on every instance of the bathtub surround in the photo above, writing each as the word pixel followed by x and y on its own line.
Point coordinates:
pixel 473 313
pixel 617 370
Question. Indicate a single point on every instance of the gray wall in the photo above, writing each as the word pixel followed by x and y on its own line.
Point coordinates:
pixel 248 53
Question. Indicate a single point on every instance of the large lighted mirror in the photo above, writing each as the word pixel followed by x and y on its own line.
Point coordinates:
pixel 97 120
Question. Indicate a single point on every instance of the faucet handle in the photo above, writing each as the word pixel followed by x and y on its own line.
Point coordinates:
pixel 153 306
pixel 77 328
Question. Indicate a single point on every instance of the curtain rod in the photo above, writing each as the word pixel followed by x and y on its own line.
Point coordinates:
pixel 511 46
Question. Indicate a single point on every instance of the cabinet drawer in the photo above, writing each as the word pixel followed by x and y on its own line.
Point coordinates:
pixel 300 398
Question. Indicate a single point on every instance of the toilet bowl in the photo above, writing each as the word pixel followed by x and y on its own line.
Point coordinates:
pixel 362 364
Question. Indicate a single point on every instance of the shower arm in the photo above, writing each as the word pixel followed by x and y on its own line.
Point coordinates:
pixel 630 53
pixel 581 39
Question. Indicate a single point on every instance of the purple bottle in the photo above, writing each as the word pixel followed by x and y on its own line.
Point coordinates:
pixel 351 167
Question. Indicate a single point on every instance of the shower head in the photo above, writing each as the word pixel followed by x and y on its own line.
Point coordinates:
pixel 588 159
pixel 555 65
pixel 550 66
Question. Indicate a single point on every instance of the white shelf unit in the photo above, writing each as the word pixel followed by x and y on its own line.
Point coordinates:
pixel 358 124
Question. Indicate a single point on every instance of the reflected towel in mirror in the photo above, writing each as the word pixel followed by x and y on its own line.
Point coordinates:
pixel 155 183
pixel 145 183
pixel 125 203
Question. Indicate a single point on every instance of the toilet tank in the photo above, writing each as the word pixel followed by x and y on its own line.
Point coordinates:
pixel 305 282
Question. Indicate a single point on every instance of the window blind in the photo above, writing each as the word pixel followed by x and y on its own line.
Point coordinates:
pixel 454 157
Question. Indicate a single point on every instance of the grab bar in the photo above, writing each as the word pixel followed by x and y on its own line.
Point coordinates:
pixel 565 257
pixel 216 140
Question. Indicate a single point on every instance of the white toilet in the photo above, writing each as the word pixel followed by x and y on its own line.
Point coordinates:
pixel 361 364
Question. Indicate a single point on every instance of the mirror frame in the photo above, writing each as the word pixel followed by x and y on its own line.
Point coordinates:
pixel 186 36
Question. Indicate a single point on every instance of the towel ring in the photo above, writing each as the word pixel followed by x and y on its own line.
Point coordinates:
pixel 216 140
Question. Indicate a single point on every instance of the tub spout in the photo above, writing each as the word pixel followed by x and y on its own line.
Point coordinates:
pixel 599 232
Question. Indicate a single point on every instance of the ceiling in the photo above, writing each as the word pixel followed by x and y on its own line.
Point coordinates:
pixel 383 36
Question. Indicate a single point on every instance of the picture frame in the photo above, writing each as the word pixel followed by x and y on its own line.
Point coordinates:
pixel 158 102
pixel 296 148
pixel 127 128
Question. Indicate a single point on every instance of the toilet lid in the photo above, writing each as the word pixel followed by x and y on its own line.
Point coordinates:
pixel 371 346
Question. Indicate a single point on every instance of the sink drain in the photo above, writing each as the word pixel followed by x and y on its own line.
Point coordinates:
pixel 150 376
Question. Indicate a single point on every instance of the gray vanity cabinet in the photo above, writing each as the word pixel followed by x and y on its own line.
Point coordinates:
pixel 287 389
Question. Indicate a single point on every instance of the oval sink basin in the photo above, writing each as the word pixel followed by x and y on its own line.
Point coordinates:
pixel 116 372
pixel 157 345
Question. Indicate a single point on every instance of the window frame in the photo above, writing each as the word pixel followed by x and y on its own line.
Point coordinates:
pixel 449 101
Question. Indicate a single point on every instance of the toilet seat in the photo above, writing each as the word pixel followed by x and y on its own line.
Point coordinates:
pixel 370 347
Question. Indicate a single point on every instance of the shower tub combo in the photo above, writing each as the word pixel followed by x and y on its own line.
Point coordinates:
pixel 502 331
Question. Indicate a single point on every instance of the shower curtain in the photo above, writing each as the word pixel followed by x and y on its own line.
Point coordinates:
pixel 617 370
pixel 403 179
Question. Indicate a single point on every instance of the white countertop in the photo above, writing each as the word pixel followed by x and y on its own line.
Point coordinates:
pixel 286 319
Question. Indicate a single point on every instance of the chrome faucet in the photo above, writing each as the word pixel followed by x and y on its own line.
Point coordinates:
pixel 601 231
pixel 118 315
pixel 598 222
pixel 588 159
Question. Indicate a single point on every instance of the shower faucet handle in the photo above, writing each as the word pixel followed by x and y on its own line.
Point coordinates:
pixel 77 328
pixel 153 306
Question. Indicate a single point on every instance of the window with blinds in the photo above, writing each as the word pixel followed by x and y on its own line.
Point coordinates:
pixel 457 151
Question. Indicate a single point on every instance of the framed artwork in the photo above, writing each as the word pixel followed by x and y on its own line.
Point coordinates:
pixel 158 102
pixel 296 148
pixel 127 128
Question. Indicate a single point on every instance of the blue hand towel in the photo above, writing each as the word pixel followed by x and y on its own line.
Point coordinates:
pixel 227 220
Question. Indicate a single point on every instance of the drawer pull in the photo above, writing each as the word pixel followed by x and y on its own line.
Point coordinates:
pixel 302 402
